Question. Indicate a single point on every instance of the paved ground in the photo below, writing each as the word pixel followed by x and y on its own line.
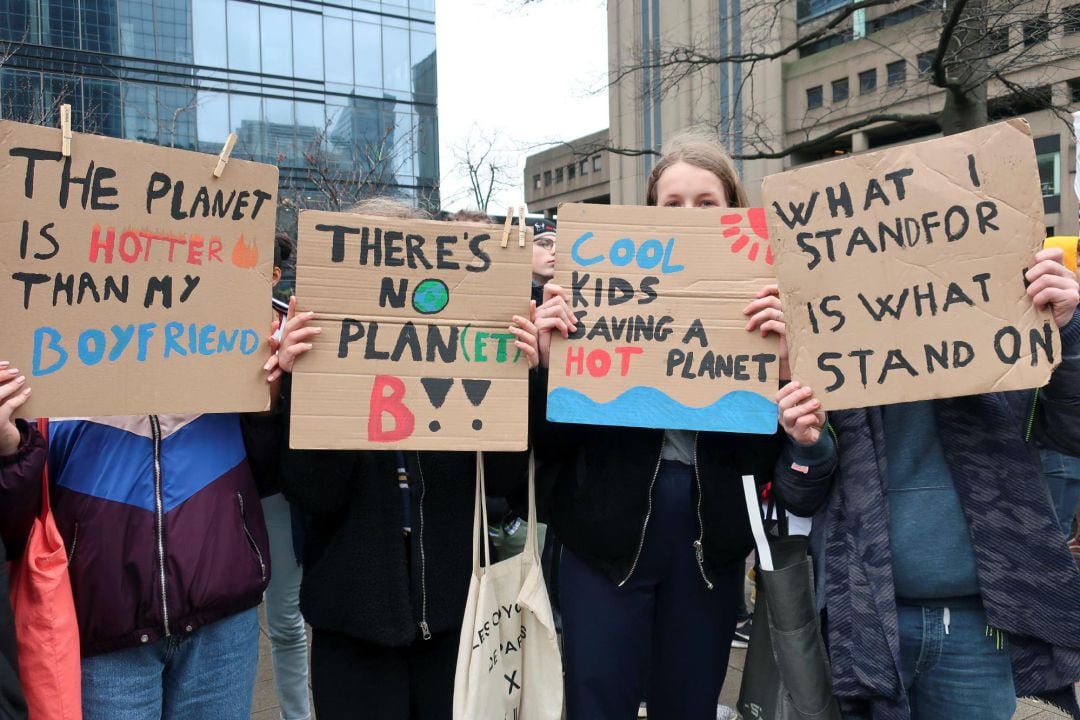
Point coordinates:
pixel 265 706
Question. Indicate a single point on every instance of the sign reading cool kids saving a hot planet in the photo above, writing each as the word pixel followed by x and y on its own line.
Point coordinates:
pixel 661 342
pixel 133 280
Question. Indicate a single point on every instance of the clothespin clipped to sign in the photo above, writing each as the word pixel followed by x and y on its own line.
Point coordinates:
pixel 65 130
pixel 506 225
pixel 223 158
pixel 521 226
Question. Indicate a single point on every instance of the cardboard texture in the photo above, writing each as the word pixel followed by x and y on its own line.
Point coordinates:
pixel 415 351
pixel 901 271
pixel 661 341
pixel 134 281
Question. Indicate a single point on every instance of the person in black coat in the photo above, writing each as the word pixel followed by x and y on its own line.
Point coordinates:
pixel 387 557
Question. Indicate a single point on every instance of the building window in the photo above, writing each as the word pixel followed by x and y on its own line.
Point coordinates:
pixel 896 72
pixel 867 81
pixel 558 175
pixel 997 41
pixel 813 97
pixel 1036 30
pixel 571 171
pixel 1071 19
pixel 1049 231
pixel 1074 90
pixel 1049 173
pixel 536 182
pixel 840 90
pixel 925 61
pixel 584 167
pixel 596 163
pixel 547 178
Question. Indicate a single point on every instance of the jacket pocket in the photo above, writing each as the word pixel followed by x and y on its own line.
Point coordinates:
pixel 256 552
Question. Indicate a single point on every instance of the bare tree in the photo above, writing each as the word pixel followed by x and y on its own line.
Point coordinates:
pixel 982 55
pixel 486 166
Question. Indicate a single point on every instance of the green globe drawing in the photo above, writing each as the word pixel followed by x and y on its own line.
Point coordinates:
pixel 430 297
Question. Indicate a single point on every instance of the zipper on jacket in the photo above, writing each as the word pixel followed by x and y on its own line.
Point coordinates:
pixel 74 544
pixel 699 548
pixel 425 631
pixel 648 514
pixel 159 513
pixel 1031 417
pixel 250 538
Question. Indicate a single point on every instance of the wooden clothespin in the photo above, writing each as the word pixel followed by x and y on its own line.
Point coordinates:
pixel 223 158
pixel 65 130
pixel 521 226
pixel 506 226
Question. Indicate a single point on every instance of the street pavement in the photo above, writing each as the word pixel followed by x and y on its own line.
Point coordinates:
pixel 265 706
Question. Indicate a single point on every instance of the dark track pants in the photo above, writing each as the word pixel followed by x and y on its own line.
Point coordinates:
pixel 662 633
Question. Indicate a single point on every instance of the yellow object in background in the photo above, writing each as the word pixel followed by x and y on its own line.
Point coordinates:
pixel 1068 244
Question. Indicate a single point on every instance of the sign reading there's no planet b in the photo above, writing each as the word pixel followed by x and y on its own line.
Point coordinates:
pixel 415 351
pixel 659 295
pixel 902 271
pixel 134 281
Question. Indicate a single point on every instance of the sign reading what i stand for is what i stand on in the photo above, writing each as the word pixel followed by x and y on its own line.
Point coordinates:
pixel 902 271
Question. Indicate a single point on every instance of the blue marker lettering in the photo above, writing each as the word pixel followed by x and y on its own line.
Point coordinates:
pixel 668 252
pixel 146 331
pixel 227 341
pixel 622 252
pixel 575 253
pixel 91 356
pixel 206 340
pixel 249 342
pixel 650 254
pixel 173 331
pixel 54 338
pixel 123 339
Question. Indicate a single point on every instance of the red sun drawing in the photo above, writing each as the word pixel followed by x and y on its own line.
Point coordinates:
pixel 755 217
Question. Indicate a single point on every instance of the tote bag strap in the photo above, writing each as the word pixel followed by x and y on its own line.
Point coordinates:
pixel 531 542
pixel 753 510
pixel 43 428
pixel 480 521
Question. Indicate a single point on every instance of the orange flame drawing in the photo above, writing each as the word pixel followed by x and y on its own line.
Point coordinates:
pixel 758 225
pixel 244 255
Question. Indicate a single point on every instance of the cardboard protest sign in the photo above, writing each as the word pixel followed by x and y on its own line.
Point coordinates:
pixel 661 341
pixel 415 351
pixel 133 280
pixel 901 271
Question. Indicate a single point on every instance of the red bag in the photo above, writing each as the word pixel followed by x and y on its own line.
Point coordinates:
pixel 46 629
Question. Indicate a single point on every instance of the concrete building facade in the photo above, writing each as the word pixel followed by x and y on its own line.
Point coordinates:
pixel 574 172
pixel 875 61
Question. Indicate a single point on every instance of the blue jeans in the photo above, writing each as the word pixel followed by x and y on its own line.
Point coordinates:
pixel 954 672
pixel 288 637
pixel 1062 474
pixel 208 674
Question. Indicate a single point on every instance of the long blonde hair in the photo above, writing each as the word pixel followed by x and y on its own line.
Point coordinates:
pixel 384 206
pixel 701 149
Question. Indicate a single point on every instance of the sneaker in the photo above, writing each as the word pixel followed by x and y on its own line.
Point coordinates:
pixel 723 712
pixel 742 634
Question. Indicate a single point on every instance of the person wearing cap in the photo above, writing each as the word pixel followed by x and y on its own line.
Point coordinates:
pixel 543 257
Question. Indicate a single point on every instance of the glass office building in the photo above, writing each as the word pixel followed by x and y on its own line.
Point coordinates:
pixel 329 91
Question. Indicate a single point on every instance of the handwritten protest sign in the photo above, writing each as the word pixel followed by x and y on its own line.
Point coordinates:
pixel 133 280
pixel 901 271
pixel 415 351
pixel 661 341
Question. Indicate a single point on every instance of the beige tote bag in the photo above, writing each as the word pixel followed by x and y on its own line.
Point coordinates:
pixel 508 666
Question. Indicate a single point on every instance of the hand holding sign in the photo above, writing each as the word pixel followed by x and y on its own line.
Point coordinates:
pixel 801 415
pixel 13 394
pixel 1053 285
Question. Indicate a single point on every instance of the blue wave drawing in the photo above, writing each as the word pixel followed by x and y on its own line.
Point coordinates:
pixel 738 411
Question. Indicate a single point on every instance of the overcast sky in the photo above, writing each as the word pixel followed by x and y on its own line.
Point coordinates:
pixel 525 75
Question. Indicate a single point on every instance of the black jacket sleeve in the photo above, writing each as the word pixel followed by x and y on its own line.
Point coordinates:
pixel 804 476
pixel 1057 415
